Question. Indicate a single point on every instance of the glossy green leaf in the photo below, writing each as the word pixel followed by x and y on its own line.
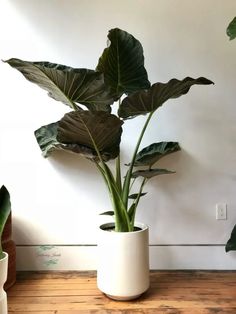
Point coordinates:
pixel 5 209
pixel 123 63
pixel 231 29
pixel 135 195
pixel 87 128
pixel 150 173
pixel 67 84
pixel 145 101
pixel 152 153
pixel 231 244
pixel 46 137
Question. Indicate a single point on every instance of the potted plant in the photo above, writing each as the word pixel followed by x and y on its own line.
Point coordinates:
pixel 5 208
pixel 91 130
pixel 231 243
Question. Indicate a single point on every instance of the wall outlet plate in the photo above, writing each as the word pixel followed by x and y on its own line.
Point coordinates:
pixel 221 211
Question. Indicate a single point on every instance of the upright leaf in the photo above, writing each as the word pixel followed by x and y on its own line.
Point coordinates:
pixel 145 101
pixel 152 153
pixel 67 84
pixel 87 128
pixel 5 208
pixel 123 63
pixel 231 244
pixel 231 29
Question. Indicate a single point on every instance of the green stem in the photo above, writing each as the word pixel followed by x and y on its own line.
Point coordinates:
pixel 108 179
pixel 118 173
pixel 118 168
pixel 129 172
pixel 137 201
pixel 131 185
pixel 122 222
pixel 73 105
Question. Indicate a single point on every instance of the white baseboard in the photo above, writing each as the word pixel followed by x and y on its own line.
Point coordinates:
pixel 83 258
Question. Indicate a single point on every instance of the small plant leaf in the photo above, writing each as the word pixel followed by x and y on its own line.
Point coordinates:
pixel 67 84
pixel 231 244
pixel 109 213
pixel 146 101
pixel 152 153
pixel 122 63
pixel 87 128
pixel 135 195
pixel 151 173
pixel 231 29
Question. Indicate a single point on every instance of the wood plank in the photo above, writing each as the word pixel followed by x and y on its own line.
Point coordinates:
pixel 180 292
pixel 176 292
pixel 127 311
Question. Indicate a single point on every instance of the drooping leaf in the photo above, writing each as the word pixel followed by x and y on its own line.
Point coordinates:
pixel 150 173
pixel 135 195
pixel 231 29
pixel 152 153
pixel 231 244
pixel 87 128
pixel 123 63
pixel 145 101
pixel 108 213
pixel 46 137
pixel 5 209
pixel 66 84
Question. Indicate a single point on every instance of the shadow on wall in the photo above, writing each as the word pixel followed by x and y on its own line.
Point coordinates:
pixel 188 210
pixel 76 170
pixel 60 19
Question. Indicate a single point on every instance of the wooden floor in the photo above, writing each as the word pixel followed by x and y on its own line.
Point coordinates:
pixel 173 292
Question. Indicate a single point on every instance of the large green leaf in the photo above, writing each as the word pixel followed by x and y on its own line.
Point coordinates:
pixel 123 63
pixel 231 244
pixel 152 153
pixel 145 101
pixel 67 84
pixel 5 209
pixel 150 173
pixel 231 29
pixel 88 128
pixel 47 139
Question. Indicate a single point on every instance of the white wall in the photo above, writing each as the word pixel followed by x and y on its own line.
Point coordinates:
pixel 56 201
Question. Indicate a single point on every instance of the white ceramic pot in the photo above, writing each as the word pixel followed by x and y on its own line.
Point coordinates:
pixel 3 278
pixel 123 262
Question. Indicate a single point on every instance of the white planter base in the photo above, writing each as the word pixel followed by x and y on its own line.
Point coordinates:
pixel 3 278
pixel 117 298
pixel 123 263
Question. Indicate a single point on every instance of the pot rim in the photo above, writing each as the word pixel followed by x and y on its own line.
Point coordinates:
pixel 5 256
pixel 140 225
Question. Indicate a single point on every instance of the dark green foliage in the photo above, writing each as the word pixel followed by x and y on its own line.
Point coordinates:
pixel 231 244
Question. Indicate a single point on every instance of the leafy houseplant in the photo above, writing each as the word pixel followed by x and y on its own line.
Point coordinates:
pixel 231 243
pixel 91 130
pixel 5 208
